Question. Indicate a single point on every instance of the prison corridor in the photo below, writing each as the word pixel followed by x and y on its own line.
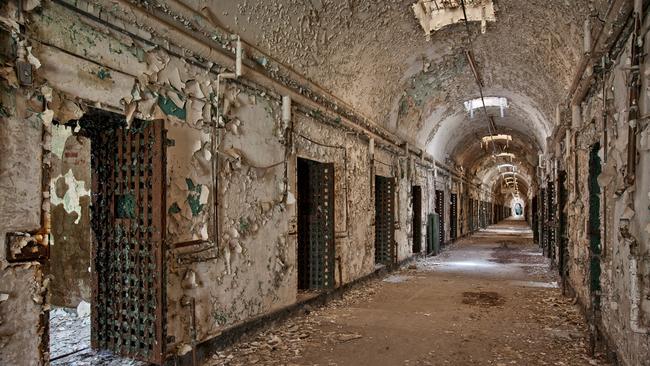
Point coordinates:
pixel 489 299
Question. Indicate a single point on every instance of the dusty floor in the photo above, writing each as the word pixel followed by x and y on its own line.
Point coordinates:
pixel 489 300
pixel 70 342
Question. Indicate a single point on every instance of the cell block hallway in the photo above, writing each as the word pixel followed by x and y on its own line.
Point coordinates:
pixel 324 182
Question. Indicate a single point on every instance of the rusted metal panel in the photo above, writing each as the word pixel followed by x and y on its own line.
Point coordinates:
pixel 316 244
pixel 453 218
pixel 417 218
pixel 384 220
pixel 440 209
pixel 128 255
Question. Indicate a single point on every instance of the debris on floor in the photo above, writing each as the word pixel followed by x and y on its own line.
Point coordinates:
pixel 397 279
pixel 423 321
pixel 70 340
pixel 69 332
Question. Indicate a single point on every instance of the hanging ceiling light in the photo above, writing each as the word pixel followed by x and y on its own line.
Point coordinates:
pixel 505 155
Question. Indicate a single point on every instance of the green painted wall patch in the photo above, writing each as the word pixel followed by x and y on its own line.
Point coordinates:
pixel 169 108
pixel 103 74
pixel 174 208
pixel 194 197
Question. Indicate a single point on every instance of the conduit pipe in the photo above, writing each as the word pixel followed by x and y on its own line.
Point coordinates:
pixel 634 90
pixel 204 47
pixel 216 137
pixel 615 18
pixel 193 16
pixel 210 50
pixel 635 299
pixel 635 291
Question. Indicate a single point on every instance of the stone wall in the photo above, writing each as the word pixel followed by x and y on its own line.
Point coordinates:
pixel 620 203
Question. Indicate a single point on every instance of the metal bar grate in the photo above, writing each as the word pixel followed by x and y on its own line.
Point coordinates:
pixel 316 244
pixel 384 220
pixel 128 224
pixel 453 216
pixel 440 209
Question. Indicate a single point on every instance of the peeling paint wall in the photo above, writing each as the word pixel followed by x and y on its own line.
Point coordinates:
pixel 618 203
pixel 23 289
pixel 70 245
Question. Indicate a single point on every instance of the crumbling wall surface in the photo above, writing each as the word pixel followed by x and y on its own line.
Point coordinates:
pixel 22 286
pixel 354 219
pixel 624 213
pixel 70 244
pixel 250 269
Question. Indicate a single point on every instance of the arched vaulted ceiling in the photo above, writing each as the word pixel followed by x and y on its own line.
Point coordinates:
pixel 375 56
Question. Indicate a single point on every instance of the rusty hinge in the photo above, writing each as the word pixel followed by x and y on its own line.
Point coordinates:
pixel 25 247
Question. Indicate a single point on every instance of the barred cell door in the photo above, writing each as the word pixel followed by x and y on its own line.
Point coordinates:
pixel 563 255
pixel 128 222
pixel 470 216
pixel 535 219
pixel 417 218
pixel 316 245
pixel 453 216
pixel 384 220
pixel 440 209
pixel 595 246
pixel 542 218
pixel 550 220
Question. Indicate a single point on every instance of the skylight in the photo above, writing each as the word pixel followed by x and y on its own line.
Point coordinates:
pixel 498 102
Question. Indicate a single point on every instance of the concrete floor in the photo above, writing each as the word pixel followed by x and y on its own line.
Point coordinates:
pixel 70 342
pixel 491 299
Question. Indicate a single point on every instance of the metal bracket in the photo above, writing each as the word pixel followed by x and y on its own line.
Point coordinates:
pixel 24 71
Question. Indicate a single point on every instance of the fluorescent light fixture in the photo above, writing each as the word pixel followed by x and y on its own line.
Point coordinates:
pixel 506 166
pixel 487 139
pixel 505 155
pixel 499 102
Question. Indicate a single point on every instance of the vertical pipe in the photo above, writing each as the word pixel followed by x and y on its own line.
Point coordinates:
pixel 634 89
pixel 576 116
pixel 238 58
pixel 605 147
pixel 286 109
pixel 587 42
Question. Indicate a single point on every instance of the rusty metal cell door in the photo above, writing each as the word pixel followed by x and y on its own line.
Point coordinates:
pixel 316 245
pixel 416 197
pixel 453 216
pixel 440 209
pixel 384 220
pixel 550 220
pixel 128 222
pixel 595 245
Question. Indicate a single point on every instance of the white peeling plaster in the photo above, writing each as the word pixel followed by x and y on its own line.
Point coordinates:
pixel 60 135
